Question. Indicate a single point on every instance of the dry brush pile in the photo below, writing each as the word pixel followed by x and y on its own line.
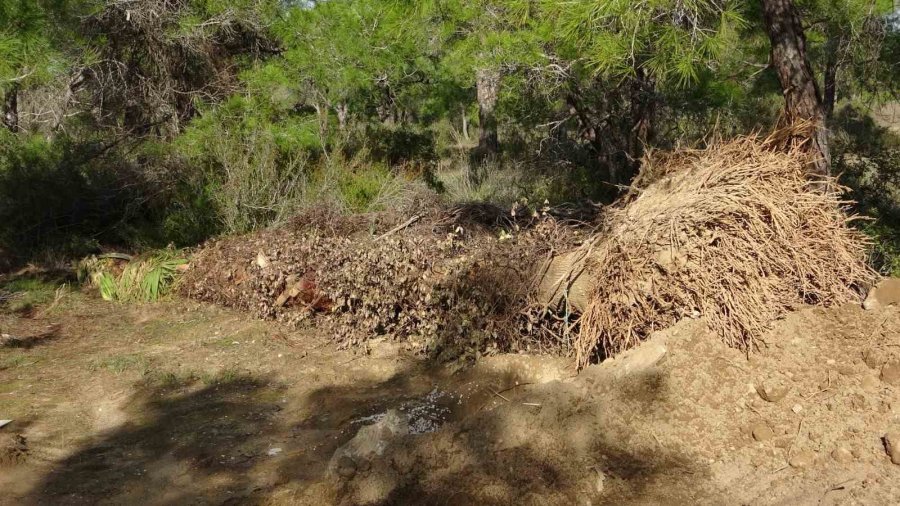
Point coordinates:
pixel 455 282
pixel 734 233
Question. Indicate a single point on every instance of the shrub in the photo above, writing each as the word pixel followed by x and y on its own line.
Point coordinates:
pixel 64 197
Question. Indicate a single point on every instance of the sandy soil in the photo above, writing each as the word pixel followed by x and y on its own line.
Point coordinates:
pixel 179 403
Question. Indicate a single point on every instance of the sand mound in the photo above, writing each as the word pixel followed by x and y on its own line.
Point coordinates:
pixel 734 233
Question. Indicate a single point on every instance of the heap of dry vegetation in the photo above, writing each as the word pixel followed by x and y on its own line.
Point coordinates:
pixel 735 233
pixel 453 282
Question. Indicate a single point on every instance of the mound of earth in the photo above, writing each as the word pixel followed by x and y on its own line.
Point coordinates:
pixel 681 419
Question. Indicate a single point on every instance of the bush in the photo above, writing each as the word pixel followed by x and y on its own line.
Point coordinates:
pixel 62 197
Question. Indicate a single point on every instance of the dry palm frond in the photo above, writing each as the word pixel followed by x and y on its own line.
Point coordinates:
pixel 735 233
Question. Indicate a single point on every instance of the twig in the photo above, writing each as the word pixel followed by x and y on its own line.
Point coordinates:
pixel 751 408
pixel 498 394
pixel 732 364
pixel 794 441
pixel 117 256
pixel 352 360
pixel 657 440
pixel 839 486
pixel 517 385
pixel 399 227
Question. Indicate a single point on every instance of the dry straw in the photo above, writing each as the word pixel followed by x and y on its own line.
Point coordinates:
pixel 735 233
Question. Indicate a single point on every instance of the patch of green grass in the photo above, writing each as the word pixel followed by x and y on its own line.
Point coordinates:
pixel 168 380
pixel 15 360
pixel 27 293
pixel 8 387
pixel 119 364
pixel 885 237
pixel 226 375
pixel 223 342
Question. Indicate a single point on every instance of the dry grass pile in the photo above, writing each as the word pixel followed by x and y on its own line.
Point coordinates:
pixel 734 233
pixel 452 283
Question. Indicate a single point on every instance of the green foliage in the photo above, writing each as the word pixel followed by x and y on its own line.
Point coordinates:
pixel 24 293
pixel 885 246
pixel 118 364
pixel 253 179
pixel 143 280
pixel 671 40
pixel 64 196
pixel 148 123
pixel 27 50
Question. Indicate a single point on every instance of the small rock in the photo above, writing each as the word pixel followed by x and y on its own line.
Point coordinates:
pixel 772 391
pixel 887 293
pixel 641 359
pixel 371 441
pixel 892 445
pixel 890 373
pixel 346 467
pixel 847 370
pixel 873 359
pixel 802 459
pixel 262 261
pixel 797 408
pixel 842 455
pixel 600 484
pixel 273 451
pixel 762 432
pixel 784 442
pixel 869 383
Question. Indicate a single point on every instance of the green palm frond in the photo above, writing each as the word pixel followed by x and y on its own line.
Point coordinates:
pixel 142 280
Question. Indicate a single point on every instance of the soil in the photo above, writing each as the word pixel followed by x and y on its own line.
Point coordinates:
pixel 185 403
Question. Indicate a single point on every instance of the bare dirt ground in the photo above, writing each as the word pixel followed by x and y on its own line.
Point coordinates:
pixel 180 403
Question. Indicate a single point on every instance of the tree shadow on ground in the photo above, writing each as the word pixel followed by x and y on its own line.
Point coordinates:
pixel 187 443
pixel 27 342
pixel 495 448
pixel 180 444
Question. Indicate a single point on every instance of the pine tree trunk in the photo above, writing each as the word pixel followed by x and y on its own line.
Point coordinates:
pixel 11 109
pixel 801 94
pixel 643 114
pixel 487 87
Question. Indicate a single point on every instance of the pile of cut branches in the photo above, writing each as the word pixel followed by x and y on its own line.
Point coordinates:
pixel 453 283
pixel 735 233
